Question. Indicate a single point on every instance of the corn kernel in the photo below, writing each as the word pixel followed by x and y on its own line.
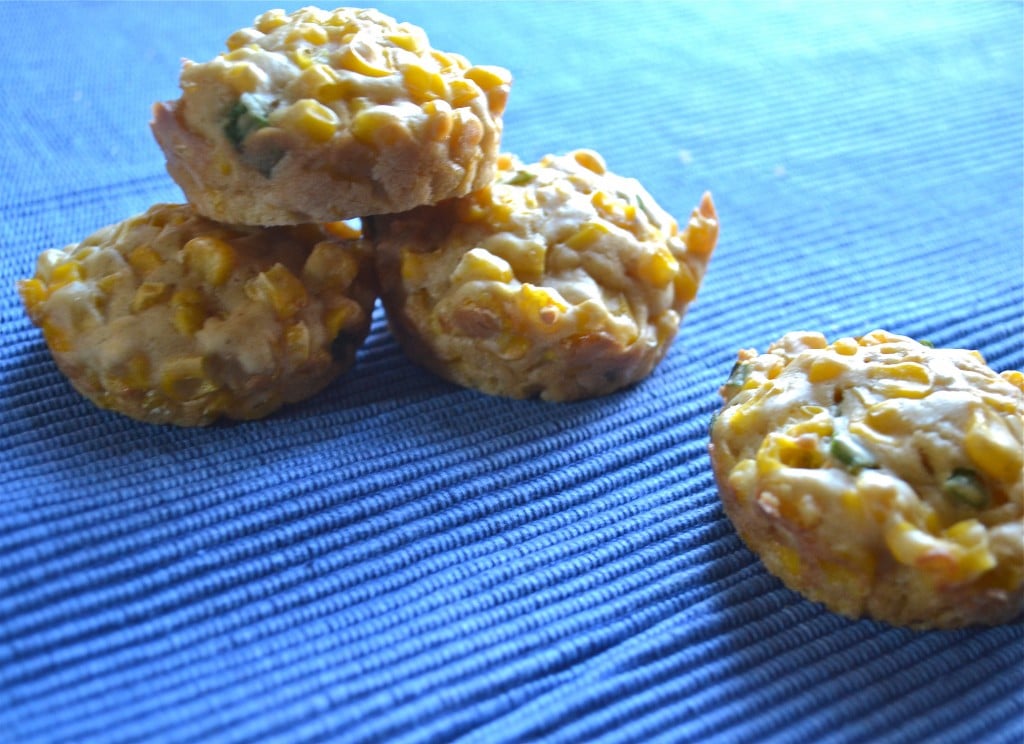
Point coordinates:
pixel 144 260
pixel 343 229
pixel 57 338
pixel 342 315
pixel 330 266
pixel 185 379
pixel 887 417
pixel 479 265
pixel 321 82
pixel 590 160
pixel 415 267
pixel 363 60
pixel 685 284
pixel 280 288
pixel 244 77
pixel 994 445
pixel 903 380
pixel 32 292
pixel 377 128
pixel 149 294
pixel 309 118
pixel 210 258
pixel 1014 377
pixel 405 40
pixel 270 20
pixel 440 119
pixel 188 314
pixel 787 559
pixel 297 342
pixel 241 38
pixel 463 92
pixel 587 235
pixel 424 85
pixel 65 273
pixel 825 368
pixel 846 346
pixel 308 32
pixel 488 76
pixel 658 268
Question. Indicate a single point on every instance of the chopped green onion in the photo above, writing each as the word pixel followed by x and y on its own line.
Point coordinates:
pixel 521 178
pixel 851 453
pixel 926 342
pixel 965 487
pixel 738 375
pixel 245 117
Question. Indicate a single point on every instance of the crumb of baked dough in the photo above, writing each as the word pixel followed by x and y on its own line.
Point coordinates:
pixel 170 318
pixel 879 476
pixel 559 280
pixel 317 115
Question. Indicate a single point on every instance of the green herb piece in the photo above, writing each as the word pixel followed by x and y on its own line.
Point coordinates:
pixel 245 117
pixel 738 376
pixel 964 486
pixel 926 342
pixel 848 450
pixel 521 178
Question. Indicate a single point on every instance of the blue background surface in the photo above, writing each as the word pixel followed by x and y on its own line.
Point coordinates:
pixel 399 559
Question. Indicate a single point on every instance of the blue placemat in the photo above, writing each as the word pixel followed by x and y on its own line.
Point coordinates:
pixel 402 560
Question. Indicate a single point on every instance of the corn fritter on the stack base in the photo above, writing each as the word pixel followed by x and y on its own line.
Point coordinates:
pixel 171 318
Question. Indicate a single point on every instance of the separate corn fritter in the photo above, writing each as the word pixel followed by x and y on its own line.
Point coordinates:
pixel 168 317
pixel 319 115
pixel 558 280
pixel 879 476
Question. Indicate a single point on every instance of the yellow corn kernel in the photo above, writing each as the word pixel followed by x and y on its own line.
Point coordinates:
pixel 424 85
pixel 825 368
pixel 301 58
pixel 310 119
pixel 657 268
pixel 415 267
pixel 343 229
pixel 144 260
pixel 785 559
pixel 241 38
pixel 1014 377
pixel 479 265
pixel 505 161
pixel 330 266
pixel 994 444
pixel 377 128
pixel 887 417
pixel 846 346
pixel 270 20
pixel 297 342
pixel 65 273
pixel 32 292
pixel 363 60
pixel 488 76
pixel 210 258
pixel 187 312
pixel 279 287
pixel 462 92
pixel 149 294
pixel 587 235
pixel 902 380
pixel 439 115
pixel 308 32
pixel 685 284
pixel 321 82
pixel 346 313
pixel 244 77
pixel 57 337
pixel 133 375
pixel 590 160
pixel 185 379
pixel 540 303
pixel 405 40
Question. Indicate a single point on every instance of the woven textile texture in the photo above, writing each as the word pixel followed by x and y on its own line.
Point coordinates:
pixel 398 559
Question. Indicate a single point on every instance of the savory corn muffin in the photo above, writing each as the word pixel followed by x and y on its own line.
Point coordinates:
pixel 558 280
pixel 171 318
pixel 317 116
pixel 878 476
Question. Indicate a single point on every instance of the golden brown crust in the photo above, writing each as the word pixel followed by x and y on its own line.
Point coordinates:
pixel 168 317
pixel 878 476
pixel 560 280
pixel 318 116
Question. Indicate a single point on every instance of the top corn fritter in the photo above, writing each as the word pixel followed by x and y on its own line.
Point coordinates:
pixel 317 116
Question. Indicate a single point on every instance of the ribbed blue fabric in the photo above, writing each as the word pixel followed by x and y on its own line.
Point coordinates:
pixel 398 559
